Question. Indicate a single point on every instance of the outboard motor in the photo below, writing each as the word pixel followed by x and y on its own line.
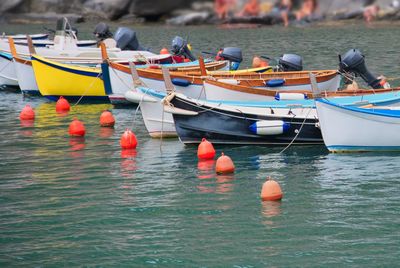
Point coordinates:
pixel 180 48
pixel 290 63
pixel 126 39
pixel 102 31
pixel 354 62
pixel 233 55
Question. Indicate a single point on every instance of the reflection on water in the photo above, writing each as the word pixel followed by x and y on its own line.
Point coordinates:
pixel 68 202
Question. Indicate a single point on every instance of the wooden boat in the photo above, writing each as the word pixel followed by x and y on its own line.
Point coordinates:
pixel 355 129
pixel 121 79
pixel 282 82
pixel 191 84
pixel 75 83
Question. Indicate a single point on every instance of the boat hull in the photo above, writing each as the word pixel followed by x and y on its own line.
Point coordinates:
pixel 26 76
pixel 349 129
pixel 159 123
pixel 216 91
pixel 72 82
pixel 232 126
pixel 8 75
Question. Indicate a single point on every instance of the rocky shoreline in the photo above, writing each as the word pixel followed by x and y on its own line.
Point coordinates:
pixel 177 12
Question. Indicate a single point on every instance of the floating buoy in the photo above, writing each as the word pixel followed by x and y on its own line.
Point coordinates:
pixel 76 128
pixel 107 119
pixel 271 191
pixel 27 113
pixel 224 165
pixel 128 140
pixel 164 51
pixel 205 150
pixel 62 105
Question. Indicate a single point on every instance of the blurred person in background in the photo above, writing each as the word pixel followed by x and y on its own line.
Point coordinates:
pixel 370 13
pixel 285 6
pixel 250 9
pixel 223 8
pixel 307 10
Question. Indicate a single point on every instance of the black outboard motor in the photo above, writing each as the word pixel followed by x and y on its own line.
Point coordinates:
pixel 232 54
pixel 102 31
pixel 354 62
pixel 180 48
pixel 290 63
pixel 126 39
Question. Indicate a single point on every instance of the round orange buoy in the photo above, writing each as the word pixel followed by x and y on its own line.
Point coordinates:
pixel 62 105
pixel 76 128
pixel 128 140
pixel 224 165
pixel 271 191
pixel 107 119
pixel 205 150
pixel 186 60
pixel 27 113
pixel 164 51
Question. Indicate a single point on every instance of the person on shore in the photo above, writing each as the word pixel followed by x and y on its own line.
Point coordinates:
pixel 307 10
pixel 285 6
pixel 223 7
pixel 250 9
pixel 370 13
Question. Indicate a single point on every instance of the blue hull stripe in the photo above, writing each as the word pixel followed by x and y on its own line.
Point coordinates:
pixel 85 99
pixel 85 73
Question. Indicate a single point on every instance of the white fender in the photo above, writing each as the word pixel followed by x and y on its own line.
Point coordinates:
pixel 137 97
pixel 269 127
pixel 290 96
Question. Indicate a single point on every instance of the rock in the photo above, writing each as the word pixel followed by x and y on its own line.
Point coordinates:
pixel 8 5
pixel 38 18
pixel 113 9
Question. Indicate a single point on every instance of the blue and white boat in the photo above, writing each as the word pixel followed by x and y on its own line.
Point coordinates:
pixel 355 129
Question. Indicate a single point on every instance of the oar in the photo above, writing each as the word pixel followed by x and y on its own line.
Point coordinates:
pixel 30 45
pixel 12 47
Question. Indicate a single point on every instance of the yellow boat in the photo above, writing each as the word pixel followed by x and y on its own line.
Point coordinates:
pixel 73 82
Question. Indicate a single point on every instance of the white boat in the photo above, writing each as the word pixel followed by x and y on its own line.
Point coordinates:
pixel 41 36
pixel 8 76
pixel 355 129
pixel 158 122
pixel 24 71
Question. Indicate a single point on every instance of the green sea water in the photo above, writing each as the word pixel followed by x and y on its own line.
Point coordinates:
pixel 84 202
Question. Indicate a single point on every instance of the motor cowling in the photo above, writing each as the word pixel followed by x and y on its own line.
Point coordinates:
pixel 290 63
pixel 233 55
pixel 102 31
pixel 179 47
pixel 354 62
pixel 126 39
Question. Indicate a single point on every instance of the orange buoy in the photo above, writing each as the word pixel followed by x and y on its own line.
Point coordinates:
pixel 27 113
pixel 62 105
pixel 205 150
pixel 186 60
pixel 128 140
pixel 164 51
pixel 107 119
pixel 76 128
pixel 224 165
pixel 271 191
